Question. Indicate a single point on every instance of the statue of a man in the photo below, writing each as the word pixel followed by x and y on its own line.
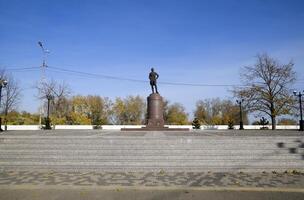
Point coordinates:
pixel 153 76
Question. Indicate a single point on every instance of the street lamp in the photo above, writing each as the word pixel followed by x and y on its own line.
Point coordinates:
pixel 241 113
pixel 299 94
pixel 43 68
pixel 47 120
pixel 3 84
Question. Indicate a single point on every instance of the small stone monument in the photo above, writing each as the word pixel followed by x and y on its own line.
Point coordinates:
pixel 155 110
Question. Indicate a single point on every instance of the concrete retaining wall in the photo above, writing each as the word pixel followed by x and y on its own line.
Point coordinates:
pixel 81 127
pixel 118 127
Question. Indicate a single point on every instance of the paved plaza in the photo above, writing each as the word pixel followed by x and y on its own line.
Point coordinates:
pixel 250 160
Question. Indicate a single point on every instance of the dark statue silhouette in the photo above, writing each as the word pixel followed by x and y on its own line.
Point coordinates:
pixel 155 110
pixel 153 76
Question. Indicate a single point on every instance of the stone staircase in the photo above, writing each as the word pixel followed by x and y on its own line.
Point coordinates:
pixel 150 151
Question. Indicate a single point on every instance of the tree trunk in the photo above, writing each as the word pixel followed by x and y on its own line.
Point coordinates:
pixel 273 122
pixel 5 119
pixel 5 124
pixel 273 117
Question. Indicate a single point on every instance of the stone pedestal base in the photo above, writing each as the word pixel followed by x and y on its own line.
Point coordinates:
pixel 155 111
pixel 155 116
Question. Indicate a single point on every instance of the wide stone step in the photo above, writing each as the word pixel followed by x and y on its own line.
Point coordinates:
pixel 86 156
pixel 227 161
pixel 152 146
pixel 4 144
pixel 144 136
pixel 146 147
pixel 144 151
pixel 67 168
pixel 118 142
pixel 146 139
pixel 158 164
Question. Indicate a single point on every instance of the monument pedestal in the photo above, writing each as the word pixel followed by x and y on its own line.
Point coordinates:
pixel 155 116
pixel 155 111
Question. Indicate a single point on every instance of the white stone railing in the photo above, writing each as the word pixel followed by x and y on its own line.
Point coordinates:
pixel 118 127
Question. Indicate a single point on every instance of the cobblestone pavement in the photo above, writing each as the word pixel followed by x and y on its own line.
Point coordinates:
pixel 150 179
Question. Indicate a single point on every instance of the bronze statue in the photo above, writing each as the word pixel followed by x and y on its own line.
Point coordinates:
pixel 153 76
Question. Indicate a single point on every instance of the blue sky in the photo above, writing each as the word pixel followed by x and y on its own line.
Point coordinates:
pixel 184 40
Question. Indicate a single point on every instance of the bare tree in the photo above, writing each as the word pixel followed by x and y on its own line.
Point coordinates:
pixel 267 87
pixel 11 95
pixel 59 93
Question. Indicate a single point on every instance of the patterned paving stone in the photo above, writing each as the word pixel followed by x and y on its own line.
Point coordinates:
pixel 187 179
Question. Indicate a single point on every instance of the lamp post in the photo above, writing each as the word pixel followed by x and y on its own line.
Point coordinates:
pixel 299 94
pixel 47 120
pixel 241 113
pixel 3 83
pixel 43 68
